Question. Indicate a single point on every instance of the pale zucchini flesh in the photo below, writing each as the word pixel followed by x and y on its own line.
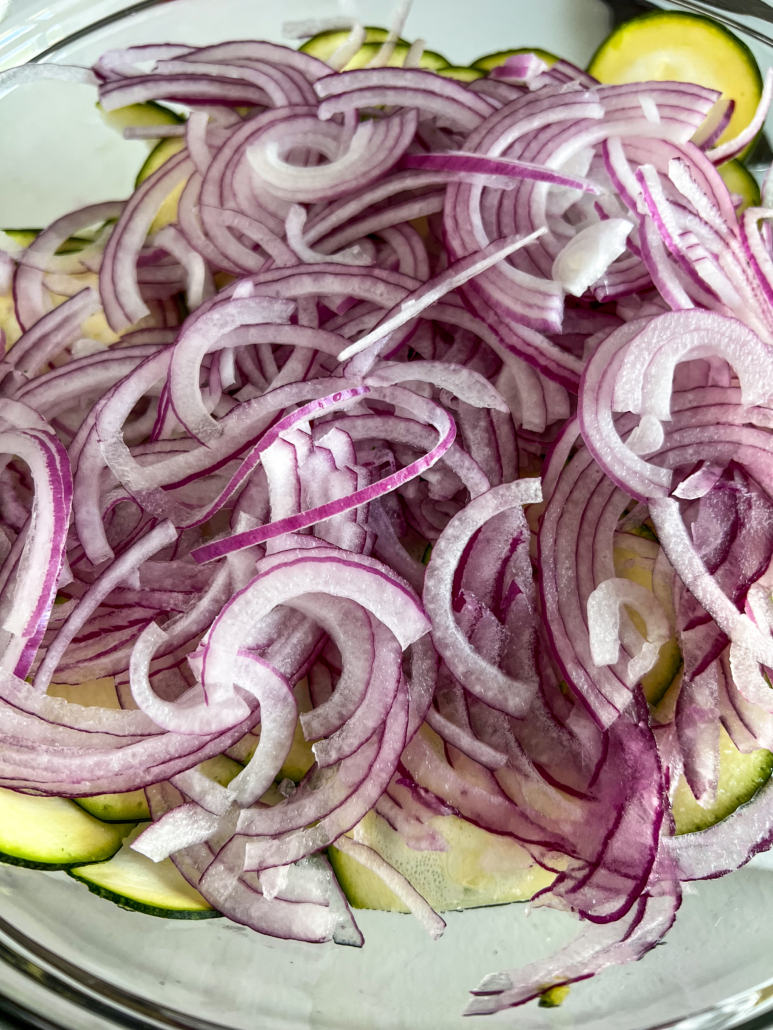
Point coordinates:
pixel 740 777
pixel 495 60
pixel 139 115
pixel 133 805
pixel 479 868
pixel 682 47
pixel 133 881
pixel 117 808
pixel 740 181
pixel 325 44
pixel 53 833
pixel 461 74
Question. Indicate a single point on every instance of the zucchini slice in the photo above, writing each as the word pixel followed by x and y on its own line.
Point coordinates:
pixel 53 833
pixel 634 556
pixel 91 694
pixel 740 777
pixel 430 60
pixel 117 808
pixel 133 805
pixel 161 153
pixel 490 61
pixel 461 74
pixel 135 115
pixel 133 881
pixel 325 44
pixel 24 237
pixel 479 868
pixel 675 46
pixel 112 808
pixel 739 180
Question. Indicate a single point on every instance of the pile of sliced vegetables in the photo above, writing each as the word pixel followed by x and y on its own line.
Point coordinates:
pixel 388 482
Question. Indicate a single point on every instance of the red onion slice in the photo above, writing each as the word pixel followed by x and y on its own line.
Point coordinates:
pixel 470 668
pixel 594 950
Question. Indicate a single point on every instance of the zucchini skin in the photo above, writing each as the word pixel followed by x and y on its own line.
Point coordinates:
pixel 52 867
pixel 137 906
pixel 27 863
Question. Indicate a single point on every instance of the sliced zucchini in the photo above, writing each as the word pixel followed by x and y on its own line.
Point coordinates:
pixel 495 60
pixel 117 808
pixel 675 46
pixel 554 996
pixel 133 881
pixel 740 777
pixel 8 320
pixel 24 237
pixel 739 180
pixel 161 153
pixel 325 44
pixel 53 833
pixel 221 769
pixel 133 805
pixel 461 74
pixel 633 560
pixel 479 868
pixel 430 60
pixel 99 693
pixel 136 115
pixel 645 530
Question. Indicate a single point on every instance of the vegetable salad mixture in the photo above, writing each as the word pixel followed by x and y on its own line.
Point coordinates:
pixel 387 491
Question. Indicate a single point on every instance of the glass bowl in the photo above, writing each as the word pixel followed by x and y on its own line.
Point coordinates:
pixel 69 959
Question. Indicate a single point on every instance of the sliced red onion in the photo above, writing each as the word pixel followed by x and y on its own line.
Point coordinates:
pixel 291 573
pixel 196 714
pixel 586 257
pixel 200 336
pixel 317 795
pixel 13 77
pixel 292 523
pixel 396 882
pixel 130 560
pixel 120 293
pixel 733 147
pixel 30 301
pixel 294 224
pixel 470 668
pixel 352 630
pixel 241 435
pixel 460 161
pixel 233 896
pixel 265 854
pixel 278 712
pixel 604 609
pixel 594 950
pixel 385 678
pixel 180 828
pixel 445 98
pixel 374 149
pixel 456 275
pixel 210 795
